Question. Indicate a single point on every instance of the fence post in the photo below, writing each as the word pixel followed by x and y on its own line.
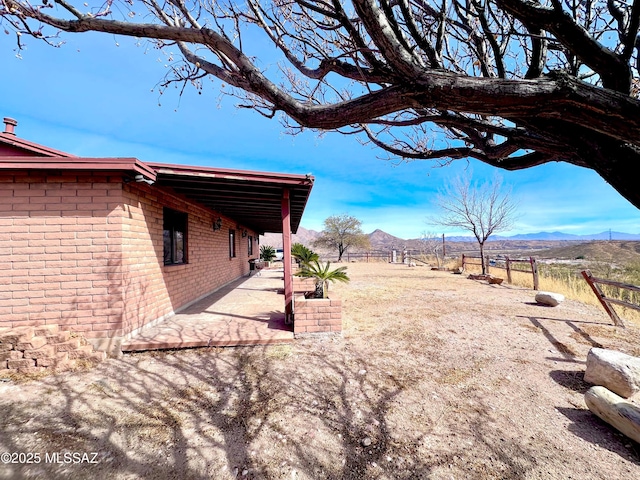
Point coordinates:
pixel 463 261
pixel 601 296
pixel 508 265
pixel 534 271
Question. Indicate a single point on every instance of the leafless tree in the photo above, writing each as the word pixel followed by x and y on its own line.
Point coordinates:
pixel 513 83
pixel 480 208
pixel 432 245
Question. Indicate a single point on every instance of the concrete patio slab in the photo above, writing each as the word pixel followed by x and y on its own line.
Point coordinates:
pixel 249 311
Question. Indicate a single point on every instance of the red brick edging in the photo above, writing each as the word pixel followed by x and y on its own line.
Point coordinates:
pixel 317 315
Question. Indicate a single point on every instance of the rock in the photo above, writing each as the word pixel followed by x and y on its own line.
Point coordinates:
pixel 614 370
pixel 616 411
pixel 366 441
pixel 478 276
pixel 549 298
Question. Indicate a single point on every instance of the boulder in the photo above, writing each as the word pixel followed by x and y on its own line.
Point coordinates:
pixel 478 276
pixel 622 414
pixel 617 371
pixel 549 298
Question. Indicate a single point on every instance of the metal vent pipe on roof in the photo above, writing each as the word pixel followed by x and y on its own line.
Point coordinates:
pixel 9 125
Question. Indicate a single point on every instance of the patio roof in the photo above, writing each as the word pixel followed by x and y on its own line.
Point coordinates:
pixel 252 198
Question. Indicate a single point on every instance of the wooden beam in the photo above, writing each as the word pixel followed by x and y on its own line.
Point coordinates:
pixel 589 278
pixel 286 257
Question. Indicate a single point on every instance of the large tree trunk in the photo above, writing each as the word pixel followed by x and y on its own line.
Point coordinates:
pixel 484 268
pixel 614 162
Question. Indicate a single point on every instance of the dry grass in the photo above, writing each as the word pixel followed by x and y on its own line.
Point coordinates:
pixel 80 365
pixel 575 288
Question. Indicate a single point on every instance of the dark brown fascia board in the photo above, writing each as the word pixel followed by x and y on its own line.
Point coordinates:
pixel 78 163
pixel 36 148
pixel 231 174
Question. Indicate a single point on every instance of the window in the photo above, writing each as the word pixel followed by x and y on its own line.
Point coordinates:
pixel 175 237
pixel 250 246
pixel 232 243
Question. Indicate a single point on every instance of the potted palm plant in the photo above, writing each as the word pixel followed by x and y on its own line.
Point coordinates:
pixel 302 254
pixel 267 254
pixel 322 274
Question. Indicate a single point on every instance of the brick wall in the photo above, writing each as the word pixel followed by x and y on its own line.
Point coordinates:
pixel 60 244
pixel 152 290
pixel 317 315
pixel 301 284
pixel 85 251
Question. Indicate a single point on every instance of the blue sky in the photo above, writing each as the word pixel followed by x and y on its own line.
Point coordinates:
pixel 93 97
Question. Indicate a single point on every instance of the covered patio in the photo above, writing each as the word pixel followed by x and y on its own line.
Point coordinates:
pixel 266 202
pixel 251 310
pixel 248 311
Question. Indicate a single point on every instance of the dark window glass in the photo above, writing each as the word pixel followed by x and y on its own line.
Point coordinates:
pixel 232 243
pixel 174 237
pixel 250 246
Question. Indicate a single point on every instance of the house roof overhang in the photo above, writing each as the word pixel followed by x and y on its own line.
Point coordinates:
pixel 253 199
pixel 124 165
pixel 22 147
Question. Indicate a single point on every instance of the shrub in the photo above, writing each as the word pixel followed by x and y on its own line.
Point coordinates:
pixel 267 253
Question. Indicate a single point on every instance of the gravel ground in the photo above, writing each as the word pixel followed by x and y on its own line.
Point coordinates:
pixel 436 376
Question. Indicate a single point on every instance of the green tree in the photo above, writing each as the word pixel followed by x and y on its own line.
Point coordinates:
pixel 480 208
pixel 512 83
pixel 323 274
pixel 342 232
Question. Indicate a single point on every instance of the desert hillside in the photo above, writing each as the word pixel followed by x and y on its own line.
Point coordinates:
pixel 619 252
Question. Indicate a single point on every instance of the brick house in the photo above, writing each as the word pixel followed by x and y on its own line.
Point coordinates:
pixel 106 246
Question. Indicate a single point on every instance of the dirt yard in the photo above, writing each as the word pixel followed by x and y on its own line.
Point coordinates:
pixel 436 376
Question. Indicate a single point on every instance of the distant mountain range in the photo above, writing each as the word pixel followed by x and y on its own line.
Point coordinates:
pixel 567 236
pixel 381 240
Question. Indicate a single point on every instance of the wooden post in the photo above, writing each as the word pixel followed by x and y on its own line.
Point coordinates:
pixel 286 257
pixel 444 248
pixel 508 265
pixel 601 296
pixel 534 271
pixel 463 261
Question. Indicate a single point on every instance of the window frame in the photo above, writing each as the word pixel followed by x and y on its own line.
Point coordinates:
pixel 175 222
